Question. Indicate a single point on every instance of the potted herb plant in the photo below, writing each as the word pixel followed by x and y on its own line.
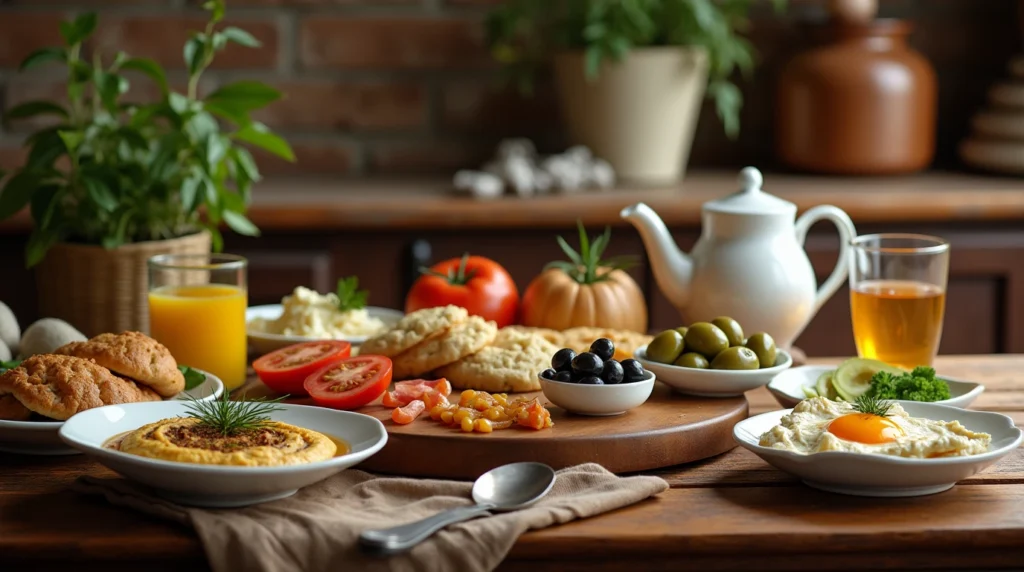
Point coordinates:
pixel 631 74
pixel 113 183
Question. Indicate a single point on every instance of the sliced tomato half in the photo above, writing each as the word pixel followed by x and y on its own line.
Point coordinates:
pixel 286 369
pixel 350 383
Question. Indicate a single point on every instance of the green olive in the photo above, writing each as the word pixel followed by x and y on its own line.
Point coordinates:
pixel 737 357
pixel 732 329
pixel 682 330
pixel 706 339
pixel 665 347
pixel 764 346
pixel 692 359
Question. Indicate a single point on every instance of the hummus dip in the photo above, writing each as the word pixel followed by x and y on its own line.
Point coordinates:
pixel 185 440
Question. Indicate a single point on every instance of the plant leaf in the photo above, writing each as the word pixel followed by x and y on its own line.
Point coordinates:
pixel 38 244
pixel 47 146
pixel 101 194
pixel 216 238
pixel 41 56
pixel 71 139
pixel 179 103
pixel 258 135
pixel 240 224
pixel 81 28
pixel 150 68
pixel 245 95
pixel 33 108
pixel 189 193
pixel 241 37
pixel 216 149
pixel 17 193
pixel 43 203
pixel 111 86
pixel 574 257
pixel 193 378
pixel 225 110
pixel 195 48
pixel 245 163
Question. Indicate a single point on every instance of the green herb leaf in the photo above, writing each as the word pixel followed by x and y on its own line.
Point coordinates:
pixel 872 406
pixel 77 31
pixel 584 266
pixel 17 193
pixel 150 68
pixel 39 242
pixel 11 364
pixel 257 134
pixel 246 95
pixel 101 194
pixel 195 51
pixel 193 378
pixel 349 295
pixel 34 108
pixel 42 56
pixel 241 37
pixel 226 110
pixel 240 224
pixel 231 417
pixel 245 163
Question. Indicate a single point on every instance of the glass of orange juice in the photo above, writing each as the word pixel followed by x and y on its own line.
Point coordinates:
pixel 197 309
pixel 898 297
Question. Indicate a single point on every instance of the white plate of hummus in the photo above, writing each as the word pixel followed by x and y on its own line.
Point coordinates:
pixel 42 437
pixel 163 445
pixel 914 449
pixel 306 315
pixel 788 387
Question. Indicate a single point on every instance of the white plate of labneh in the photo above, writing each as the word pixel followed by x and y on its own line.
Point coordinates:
pixel 258 319
pixel 215 457
pixel 42 437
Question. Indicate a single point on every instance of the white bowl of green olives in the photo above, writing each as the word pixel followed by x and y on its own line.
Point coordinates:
pixel 593 383
pixel 713 359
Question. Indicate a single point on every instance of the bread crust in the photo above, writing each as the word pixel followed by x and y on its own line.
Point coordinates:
pixel 133 355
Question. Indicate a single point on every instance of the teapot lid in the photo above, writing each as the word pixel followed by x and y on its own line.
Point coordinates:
pixel 750 199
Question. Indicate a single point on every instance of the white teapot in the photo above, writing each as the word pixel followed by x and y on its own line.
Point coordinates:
pixel 749 262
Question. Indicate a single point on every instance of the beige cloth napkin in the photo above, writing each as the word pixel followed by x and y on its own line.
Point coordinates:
pixel 317 528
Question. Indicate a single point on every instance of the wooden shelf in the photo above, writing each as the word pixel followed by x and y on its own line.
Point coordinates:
pixel 305 204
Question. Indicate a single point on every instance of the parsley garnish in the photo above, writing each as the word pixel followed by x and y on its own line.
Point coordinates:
pixel 349 295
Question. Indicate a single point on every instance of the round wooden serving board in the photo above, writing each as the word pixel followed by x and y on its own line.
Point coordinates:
pixel 669 429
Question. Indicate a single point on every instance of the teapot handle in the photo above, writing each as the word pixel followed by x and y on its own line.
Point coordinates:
pixel 847 232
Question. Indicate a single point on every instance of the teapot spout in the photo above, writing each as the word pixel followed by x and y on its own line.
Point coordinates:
pixel 673 269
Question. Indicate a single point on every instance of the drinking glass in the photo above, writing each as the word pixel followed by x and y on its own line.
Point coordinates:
pixel 898 297
pixel 197 309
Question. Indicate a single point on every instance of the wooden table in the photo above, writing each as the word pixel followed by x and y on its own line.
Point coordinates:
pixel 732 512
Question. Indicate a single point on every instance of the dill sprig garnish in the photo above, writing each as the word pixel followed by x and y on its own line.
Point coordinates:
pixel 229 417
pixel 872 406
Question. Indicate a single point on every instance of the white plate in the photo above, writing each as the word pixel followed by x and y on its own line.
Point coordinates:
pixel 788 386
pixel 713 382
pixel 880 475
pixel 265 343
pixel 42 438
pixel 597 400
pixel 216 485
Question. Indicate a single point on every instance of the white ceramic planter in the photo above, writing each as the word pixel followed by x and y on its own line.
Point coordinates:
pixel 639 114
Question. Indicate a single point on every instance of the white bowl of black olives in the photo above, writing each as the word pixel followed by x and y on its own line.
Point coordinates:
pixel 713 359
pixel 592 383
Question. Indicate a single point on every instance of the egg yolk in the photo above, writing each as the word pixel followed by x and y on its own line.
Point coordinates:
pixel 865 428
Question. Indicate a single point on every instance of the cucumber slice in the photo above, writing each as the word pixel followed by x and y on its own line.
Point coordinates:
pixel 823 386
pixel 809 392
pixel 853 377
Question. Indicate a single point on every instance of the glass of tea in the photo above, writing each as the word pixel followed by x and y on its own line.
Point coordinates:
pixel 197 309
pixel 898 297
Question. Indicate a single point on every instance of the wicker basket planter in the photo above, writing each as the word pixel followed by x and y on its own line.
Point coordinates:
pixel 98 290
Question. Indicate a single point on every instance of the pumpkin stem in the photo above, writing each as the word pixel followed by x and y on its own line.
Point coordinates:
pixel 583 266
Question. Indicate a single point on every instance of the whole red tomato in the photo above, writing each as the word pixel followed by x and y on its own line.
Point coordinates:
pixel 478 284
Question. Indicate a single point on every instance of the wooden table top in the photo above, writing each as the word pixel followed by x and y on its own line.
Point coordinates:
pixel 731 512
pixel 304 205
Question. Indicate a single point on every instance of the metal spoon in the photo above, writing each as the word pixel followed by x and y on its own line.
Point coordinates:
pixel 506 488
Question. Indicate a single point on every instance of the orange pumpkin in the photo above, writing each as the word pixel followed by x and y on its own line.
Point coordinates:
pixel 585 291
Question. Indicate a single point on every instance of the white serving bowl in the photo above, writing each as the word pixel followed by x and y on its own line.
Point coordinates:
pixel 265 343
pixel 881 475
pixel 713 382
pixel 42 438
pixel 788 387
pixel 597 400
pixel 216 485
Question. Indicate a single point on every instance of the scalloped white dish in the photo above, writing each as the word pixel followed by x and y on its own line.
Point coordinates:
pixel 43 438
pixel 874 475
pixel 788 386
pixel 265 343
pixel 218 485
pixel 713 382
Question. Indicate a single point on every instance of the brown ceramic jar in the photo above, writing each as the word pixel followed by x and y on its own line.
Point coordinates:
pixel 860 102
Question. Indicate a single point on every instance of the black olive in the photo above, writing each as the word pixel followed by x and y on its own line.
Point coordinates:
pixel 548 374
pixel 632 371
pixel 591 380
pixel 563 376
pixel 604 348
pixel 587 364
pixel 613 372
pixel 562 360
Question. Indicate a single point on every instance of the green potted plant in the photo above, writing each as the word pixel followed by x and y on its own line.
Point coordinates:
pixel 631 74
pixel 114 182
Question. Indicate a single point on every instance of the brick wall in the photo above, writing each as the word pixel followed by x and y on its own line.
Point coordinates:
pixel 381 87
